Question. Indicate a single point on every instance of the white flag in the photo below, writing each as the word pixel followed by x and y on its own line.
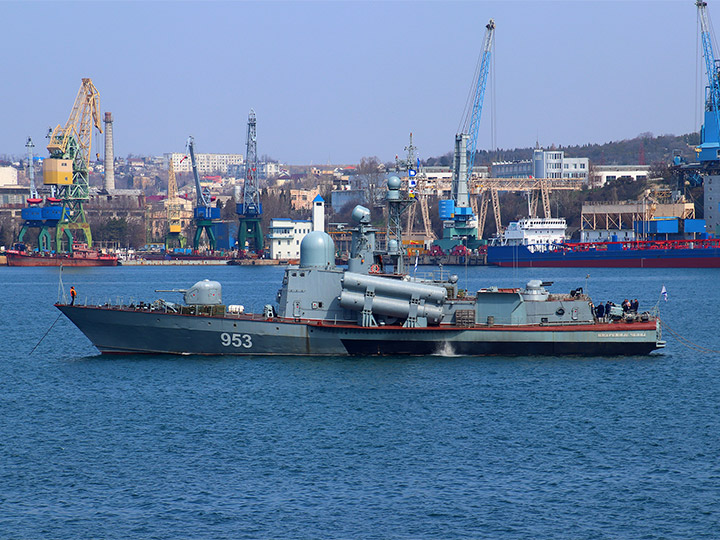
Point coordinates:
pixel 664 293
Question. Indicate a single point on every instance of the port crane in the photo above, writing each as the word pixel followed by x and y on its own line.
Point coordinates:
pixel 709 149
pixel 459 221
pixel 67 167
pixel 249 209
pixel 35 216
pixel 706 170
pixel 174 236
pixel 205 215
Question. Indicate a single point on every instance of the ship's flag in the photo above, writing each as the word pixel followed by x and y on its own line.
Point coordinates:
pixel 417 257
pixel 664 293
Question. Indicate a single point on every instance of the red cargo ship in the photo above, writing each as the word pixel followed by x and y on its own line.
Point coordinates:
pixel 81 256
pixel 703 253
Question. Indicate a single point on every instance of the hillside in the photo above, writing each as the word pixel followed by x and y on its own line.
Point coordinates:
pixel 643 148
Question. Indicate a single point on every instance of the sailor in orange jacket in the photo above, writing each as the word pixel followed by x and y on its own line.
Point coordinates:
pixel 73 294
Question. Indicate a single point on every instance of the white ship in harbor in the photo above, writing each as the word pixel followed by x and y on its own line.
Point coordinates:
pixel 535 233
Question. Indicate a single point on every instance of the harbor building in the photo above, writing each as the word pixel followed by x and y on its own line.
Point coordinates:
pixel 302 199
pixel 604 173
pixel 285 235
pixel 544 164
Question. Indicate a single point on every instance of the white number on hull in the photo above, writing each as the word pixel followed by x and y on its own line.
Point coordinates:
pixel 236 340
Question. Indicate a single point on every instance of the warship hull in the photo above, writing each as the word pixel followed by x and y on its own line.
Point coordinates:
pixel 130 331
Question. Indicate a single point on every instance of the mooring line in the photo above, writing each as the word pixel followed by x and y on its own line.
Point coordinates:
pixel 689 344
pixel 46 333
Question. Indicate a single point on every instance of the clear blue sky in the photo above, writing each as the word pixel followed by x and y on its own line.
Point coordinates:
pixel 336 81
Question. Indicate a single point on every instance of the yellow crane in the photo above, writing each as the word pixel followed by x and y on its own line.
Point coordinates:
pixel 173 206
pixel 67 166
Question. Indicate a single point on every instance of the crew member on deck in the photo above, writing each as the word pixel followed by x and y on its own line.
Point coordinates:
pixel 600 311
pixel 73 294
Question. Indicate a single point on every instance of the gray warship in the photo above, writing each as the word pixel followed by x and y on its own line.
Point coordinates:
pixel 364 309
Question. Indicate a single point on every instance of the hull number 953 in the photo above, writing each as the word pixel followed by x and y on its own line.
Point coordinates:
pixel 236 340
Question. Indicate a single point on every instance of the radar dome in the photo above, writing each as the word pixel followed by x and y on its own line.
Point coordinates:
pixel 360 214
pixel 317 250
pixel 394 182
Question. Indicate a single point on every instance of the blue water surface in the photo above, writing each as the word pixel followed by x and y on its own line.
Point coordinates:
pixel 436 447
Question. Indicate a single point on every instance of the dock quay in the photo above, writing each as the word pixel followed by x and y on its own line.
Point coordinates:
pixel 202 262
pixel 173 262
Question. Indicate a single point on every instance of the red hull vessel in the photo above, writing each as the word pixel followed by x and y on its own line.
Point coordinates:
pixel 704 253
pixel 80 256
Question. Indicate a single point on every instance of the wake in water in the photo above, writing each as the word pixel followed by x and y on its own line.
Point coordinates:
pixel 446 349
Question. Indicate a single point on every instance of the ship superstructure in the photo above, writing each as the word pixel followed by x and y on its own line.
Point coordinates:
pixel 535 232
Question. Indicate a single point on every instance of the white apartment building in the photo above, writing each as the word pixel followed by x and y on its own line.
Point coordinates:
pixel 9 176
pixel 206 163
pixel 285 235
pixel 544 164
pixel 554 164
pixel 270 169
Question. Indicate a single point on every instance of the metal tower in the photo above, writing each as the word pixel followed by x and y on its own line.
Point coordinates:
pixel 397 202
pixel 67 166
pixel 205 214
pixel 250 235
pixel 416 189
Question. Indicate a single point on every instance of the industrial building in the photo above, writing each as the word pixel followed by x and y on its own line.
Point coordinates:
pixel 617 221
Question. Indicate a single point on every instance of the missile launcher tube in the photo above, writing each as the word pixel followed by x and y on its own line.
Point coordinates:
pixel 393 288
pixel 391 307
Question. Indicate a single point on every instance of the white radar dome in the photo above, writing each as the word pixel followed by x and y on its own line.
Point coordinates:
pixel 317 250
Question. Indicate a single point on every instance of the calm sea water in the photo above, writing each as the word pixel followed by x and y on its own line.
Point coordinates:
pixel 437 447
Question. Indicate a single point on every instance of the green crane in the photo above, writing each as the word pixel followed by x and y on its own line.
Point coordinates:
pixel 67 166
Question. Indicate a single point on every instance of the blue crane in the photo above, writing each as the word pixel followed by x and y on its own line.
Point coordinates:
pixel 250 237
pixel 205 215
pixel 459 223
pixel 480 94
pixel 709 149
